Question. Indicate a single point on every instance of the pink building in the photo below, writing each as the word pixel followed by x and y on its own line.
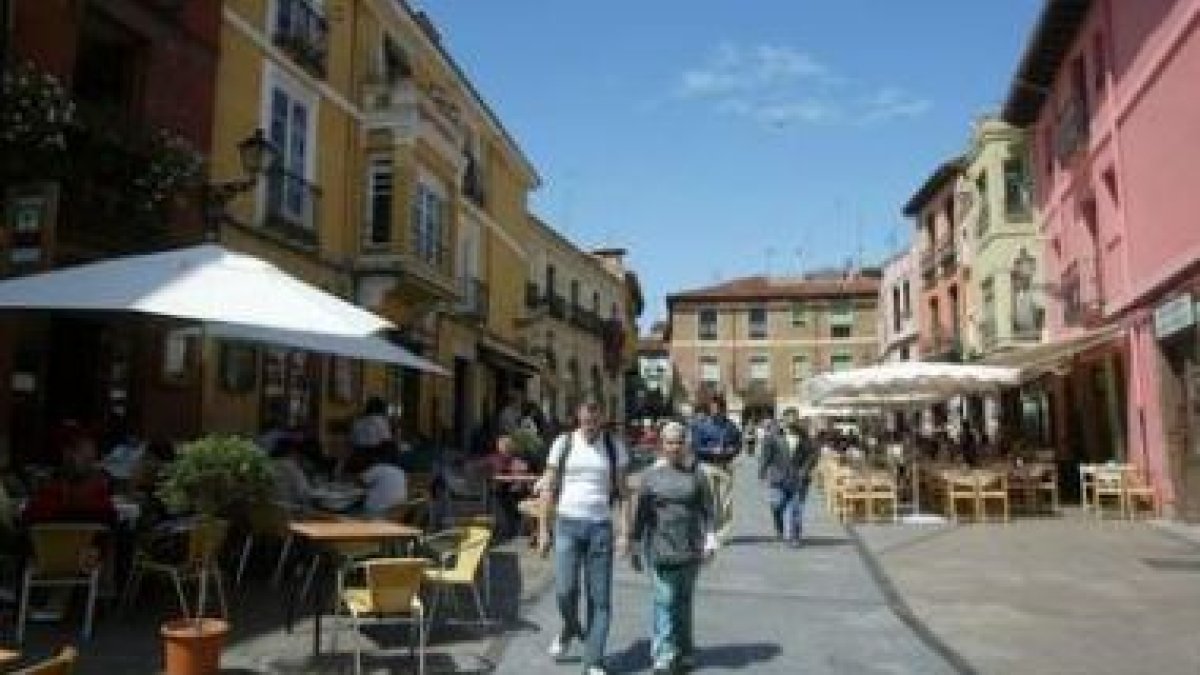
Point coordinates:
pixel 1107 89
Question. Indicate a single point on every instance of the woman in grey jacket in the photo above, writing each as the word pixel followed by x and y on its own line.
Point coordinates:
pixel 673 524
pixel 785 463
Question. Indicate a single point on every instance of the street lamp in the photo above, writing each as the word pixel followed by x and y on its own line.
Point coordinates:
pixel 257 154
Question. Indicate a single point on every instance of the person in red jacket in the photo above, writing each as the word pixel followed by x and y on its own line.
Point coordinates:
pixel 79 493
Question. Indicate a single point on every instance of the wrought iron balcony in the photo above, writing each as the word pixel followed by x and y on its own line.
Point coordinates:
pixel 302 31
pixel 292 207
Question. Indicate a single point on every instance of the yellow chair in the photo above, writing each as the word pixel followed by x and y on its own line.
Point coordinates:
pixel 1138 489
pixel 204 541
pixel 992 486
pixel 853 491
pixel 63 555
pixel 882 487
pixel 393 592
pixel 961 486
pixel 461 552
pixel 62 663
pixel 1108 482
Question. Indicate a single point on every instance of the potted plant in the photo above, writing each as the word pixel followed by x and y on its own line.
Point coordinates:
pixel 211 477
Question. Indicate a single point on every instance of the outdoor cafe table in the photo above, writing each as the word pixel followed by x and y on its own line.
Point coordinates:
pixel 7 658
pixel 324 534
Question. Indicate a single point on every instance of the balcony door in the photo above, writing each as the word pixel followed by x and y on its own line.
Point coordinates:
pixel 290 128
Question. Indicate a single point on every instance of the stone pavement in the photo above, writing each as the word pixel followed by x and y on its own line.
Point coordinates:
pixel 1058 595
pixel 761 608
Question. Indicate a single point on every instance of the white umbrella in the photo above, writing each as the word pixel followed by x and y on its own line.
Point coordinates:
pixel 203 283
pixel 367 347
pixel 913 378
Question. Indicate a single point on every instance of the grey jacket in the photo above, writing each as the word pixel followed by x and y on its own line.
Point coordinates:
pixel 672 513
pixel 780 467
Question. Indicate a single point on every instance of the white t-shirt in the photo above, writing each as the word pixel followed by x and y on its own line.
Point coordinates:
pixel 586 482
pixel 370 431
pixel 387 486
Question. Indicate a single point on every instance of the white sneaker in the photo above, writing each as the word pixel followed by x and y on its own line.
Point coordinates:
pixel 560 646
pixel 596 670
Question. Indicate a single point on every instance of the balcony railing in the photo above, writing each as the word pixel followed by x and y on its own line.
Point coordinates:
pixel 292 207
pixel 475 298
pixel 557 305
pixel 1081 292
pixel 302 31
pixel 988 337
pixel 1070 129
pixel 427 247
pixel 946 253
pixel 928 263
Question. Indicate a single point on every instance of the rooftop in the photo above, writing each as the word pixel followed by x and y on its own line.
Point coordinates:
pixel 780 288
pixel 1052 38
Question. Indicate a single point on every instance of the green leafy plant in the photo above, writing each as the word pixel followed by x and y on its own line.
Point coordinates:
pixel 216 473
pixel 529 445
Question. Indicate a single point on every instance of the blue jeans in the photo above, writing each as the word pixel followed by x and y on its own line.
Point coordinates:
pixel 672 633
pixel 588 545
pixel 787 509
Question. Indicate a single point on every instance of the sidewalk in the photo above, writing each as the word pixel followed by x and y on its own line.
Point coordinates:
pixel 1062 595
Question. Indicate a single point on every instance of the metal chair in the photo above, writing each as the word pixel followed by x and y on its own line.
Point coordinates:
pixel 205 539
pixel 63 555
pixel 392 592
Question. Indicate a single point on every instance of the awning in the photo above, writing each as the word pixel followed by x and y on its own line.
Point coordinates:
pixel 502 355
pixel 1035 361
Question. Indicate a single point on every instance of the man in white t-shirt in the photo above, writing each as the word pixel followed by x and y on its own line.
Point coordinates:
pixel 587 488
pixel 371 430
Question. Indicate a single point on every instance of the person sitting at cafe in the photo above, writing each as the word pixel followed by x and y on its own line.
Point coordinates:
pixel 371 430
pixel 292 487
pixel 386 484
pixel 505 495
pixel 79 493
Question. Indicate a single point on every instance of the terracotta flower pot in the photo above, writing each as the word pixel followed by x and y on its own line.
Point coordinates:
pixel 193 646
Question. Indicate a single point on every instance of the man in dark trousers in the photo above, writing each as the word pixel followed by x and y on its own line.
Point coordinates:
pixel 785 463
pixel 716 440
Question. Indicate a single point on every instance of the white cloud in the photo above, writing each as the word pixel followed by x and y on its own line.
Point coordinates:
pixel 894 103
pixel 779 87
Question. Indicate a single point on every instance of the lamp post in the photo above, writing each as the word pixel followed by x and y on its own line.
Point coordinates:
pixel 257 154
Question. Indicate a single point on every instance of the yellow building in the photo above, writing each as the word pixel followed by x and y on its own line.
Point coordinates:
pixel 578 323
pixel 395 185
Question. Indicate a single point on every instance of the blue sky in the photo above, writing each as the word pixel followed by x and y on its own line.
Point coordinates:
pixel 718 138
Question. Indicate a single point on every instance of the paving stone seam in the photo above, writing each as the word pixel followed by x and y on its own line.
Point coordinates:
pixel 919 540
pixel 904 613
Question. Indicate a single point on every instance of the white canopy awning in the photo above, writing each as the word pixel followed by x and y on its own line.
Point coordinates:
pixel 202 283
pixel 913 378
pixel 234 295
pixel 366 348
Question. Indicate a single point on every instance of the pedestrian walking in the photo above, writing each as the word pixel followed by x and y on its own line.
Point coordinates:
pixel 716 441
pixel 673 526
pixel 785 464
pixel 587 491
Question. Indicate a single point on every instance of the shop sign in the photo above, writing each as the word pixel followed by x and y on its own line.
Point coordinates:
pixel 1173 316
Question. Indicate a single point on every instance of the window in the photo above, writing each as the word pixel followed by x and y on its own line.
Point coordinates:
pixel 574 292
pixel 429 224
pixel 291 129
pixel 379 199
pixel 799 314
pixel 394 62
pixel 708 324
pixel 1017 199
pixel 983 218
pixel 760 368
pixel 896 309
pixel 596 302
pixel 801 367
pixel 302 31
pixel 907 301
pixel 840 331
pixel 841 361
pixel 710 370
pixel 841 313
pixel 550 281
pixel 758 323
pixel 1079 88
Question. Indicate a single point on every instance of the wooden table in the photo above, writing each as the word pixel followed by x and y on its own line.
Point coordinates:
pixel 340 531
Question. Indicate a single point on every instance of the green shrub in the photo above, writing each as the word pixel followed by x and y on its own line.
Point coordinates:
pixel 214 474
